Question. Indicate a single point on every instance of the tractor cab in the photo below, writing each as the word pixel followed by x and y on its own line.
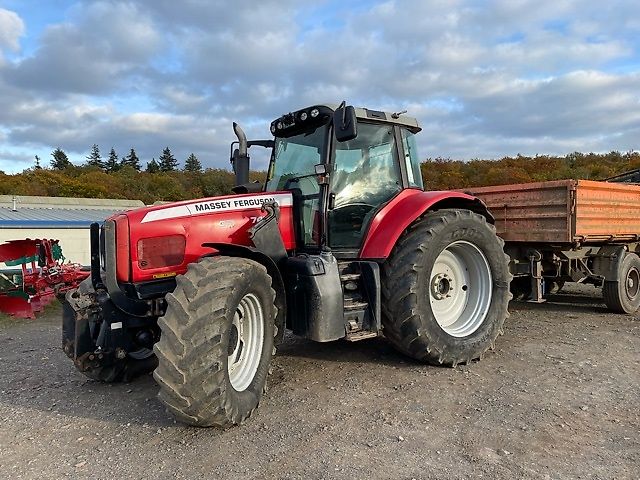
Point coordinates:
pixel 342 165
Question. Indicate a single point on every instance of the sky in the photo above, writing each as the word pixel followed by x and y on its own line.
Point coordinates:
pixel 484 78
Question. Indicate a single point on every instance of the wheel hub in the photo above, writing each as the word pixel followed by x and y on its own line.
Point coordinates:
pixel 441 285
pixel 633 283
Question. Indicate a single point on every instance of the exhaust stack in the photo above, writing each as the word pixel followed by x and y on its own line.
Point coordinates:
pixel 240 159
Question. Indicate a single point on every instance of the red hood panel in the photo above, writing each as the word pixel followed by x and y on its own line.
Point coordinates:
pixel 219 219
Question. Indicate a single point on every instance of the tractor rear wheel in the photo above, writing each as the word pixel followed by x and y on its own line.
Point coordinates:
pixel 445 288
pixel 217 341
pixel 623 295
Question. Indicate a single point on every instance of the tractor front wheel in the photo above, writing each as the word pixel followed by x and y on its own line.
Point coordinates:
pixel 217 341
pixel 446 288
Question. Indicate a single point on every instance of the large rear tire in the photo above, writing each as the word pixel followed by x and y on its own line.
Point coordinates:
pixel 623 296
pixel 217 341
pixel 445 288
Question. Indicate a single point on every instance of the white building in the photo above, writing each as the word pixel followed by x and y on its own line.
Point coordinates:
pixel 57 218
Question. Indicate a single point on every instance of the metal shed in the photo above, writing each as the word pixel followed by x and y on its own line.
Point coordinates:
pixel 61 218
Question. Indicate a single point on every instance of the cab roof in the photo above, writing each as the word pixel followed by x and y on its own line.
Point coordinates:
pixel 368 114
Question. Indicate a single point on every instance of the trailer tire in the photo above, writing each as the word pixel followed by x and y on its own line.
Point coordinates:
pixel 623 295
pixel 221 311
pixel 416 317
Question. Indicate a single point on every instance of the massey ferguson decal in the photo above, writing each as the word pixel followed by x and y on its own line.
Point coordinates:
pixel 222 205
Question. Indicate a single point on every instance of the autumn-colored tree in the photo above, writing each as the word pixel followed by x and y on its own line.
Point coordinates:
pixel 438 174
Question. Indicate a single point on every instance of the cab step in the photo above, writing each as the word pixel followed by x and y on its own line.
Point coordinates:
pixel 350 306
pixel 361 335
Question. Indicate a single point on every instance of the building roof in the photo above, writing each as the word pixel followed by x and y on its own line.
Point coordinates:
pixel 57 212
pixel 69 203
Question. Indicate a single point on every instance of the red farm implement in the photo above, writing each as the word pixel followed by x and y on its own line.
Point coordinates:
pixel 42 276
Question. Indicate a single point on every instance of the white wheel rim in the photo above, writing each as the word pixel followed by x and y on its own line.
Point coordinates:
pixel 460 289
pixel 246 338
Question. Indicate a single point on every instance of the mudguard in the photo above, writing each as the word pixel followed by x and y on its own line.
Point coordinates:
pixel 394 218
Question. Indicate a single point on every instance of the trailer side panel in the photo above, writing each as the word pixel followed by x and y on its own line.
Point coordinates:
pixel 607 211
pixel 531 212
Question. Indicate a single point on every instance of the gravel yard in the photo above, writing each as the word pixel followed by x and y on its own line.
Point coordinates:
pixel 558 398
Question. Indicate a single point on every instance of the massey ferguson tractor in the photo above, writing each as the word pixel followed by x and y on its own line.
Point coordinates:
pixel 341 242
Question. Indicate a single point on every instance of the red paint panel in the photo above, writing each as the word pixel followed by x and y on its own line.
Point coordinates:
pixel 200 226
pixel 396 216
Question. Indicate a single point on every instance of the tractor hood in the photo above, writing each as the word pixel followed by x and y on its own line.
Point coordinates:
pixel 160 241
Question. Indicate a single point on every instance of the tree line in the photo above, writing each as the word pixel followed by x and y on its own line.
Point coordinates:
pixel 445 173
pixel 166 161
pixel 167 182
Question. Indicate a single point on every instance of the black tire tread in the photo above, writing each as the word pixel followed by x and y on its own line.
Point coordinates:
pixel 611 297
pixel 190 373
pixel 402 326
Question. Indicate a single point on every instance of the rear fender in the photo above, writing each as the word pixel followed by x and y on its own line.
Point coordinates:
pixel 233 250
pixel 409 205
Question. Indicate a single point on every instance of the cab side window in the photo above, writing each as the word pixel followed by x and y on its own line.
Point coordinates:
pixel 411 159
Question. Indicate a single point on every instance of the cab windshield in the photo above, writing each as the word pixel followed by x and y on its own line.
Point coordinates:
pixel 295 157
pixel 292 168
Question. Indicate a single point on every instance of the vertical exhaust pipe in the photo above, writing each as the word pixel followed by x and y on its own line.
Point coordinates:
pixel 240 159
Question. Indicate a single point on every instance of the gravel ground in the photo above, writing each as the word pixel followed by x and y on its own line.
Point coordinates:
pixel 558 398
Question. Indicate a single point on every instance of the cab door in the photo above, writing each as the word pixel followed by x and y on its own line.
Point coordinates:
pixel 365 176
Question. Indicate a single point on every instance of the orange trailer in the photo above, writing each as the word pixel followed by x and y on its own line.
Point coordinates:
pixel 570 230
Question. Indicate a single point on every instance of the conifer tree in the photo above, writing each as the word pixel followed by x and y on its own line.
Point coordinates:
pixel 94 159
pixel 60 161
pixel 112 164
pixel 168 162
pixel 153 166
pixel 131 160
pixel 192 164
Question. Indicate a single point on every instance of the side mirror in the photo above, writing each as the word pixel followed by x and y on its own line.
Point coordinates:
pixel 345 123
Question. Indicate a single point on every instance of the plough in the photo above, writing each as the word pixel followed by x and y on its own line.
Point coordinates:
pixel 42 277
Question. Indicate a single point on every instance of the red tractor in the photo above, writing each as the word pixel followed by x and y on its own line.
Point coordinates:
pixel 341 242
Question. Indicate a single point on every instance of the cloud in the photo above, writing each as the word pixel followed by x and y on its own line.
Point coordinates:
pixel 485 79
pixel 100 48
pixel 11 29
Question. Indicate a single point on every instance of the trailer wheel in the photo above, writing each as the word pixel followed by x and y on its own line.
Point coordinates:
pixel 446 288
pixel 217 341
pixel 623 295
